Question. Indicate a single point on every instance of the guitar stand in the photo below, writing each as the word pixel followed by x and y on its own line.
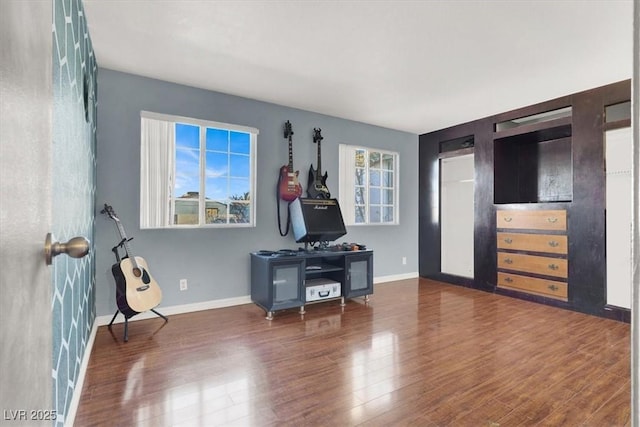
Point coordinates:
pixel 126 322
pixel 126 319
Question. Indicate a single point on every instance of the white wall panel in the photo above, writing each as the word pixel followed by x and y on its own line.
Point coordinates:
pixel 456 192
pixel 618 167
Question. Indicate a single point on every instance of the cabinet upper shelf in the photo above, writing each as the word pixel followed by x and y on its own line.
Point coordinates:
pixel 312 268
pixel 542 131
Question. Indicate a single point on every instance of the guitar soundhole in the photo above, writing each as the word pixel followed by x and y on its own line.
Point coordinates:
pixel 137 272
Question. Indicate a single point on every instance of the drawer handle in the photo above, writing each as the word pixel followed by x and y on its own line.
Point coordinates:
pixel 508 279
pixel 553 288
pixel 508 261
pixel 552 219
pixel 508 240
pixel 553 243
pixel 508 218
pixel 553 267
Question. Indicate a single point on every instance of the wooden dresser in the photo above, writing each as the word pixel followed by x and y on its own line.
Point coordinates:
pixel 532 252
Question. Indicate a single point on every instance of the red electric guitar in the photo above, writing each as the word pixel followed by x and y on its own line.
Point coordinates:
pixel 289 187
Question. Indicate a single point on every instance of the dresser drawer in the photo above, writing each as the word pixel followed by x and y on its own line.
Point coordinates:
pixel 532 285
pixel 533 220
pixel 550 243
pixel 533 264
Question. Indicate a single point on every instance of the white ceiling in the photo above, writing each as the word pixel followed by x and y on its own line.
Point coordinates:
pixel 415 66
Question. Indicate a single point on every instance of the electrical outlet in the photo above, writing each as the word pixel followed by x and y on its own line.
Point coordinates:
pixel 183 284
pixel 404 260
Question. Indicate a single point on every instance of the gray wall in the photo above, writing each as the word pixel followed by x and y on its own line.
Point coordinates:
pixel 216 261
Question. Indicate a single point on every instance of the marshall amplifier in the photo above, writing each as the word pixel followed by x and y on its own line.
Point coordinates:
pixel 316 220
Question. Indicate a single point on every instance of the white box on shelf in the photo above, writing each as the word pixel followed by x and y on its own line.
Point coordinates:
pixel 321 288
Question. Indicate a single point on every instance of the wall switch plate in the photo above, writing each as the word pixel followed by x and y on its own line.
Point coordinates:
pixel 404 260
pixel 183 284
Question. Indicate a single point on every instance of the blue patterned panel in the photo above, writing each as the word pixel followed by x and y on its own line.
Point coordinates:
pixel 74 187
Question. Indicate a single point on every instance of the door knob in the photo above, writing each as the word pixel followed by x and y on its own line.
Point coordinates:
pixel 75 248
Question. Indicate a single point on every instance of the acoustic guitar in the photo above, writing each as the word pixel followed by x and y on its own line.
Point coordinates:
pixel 136 290
pixel 317 183
pixel 289 187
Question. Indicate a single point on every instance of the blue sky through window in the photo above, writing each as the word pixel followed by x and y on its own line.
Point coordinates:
pixel 227 162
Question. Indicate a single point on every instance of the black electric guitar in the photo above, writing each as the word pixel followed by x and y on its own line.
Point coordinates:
pixel 289 188
pixel 136 290
pixel 317 183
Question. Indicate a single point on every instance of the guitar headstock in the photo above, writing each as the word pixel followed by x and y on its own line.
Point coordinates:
pixel 109 211
pixel 287 130
pixel 316 135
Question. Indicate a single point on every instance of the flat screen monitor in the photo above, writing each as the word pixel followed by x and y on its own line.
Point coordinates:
pixel 316 220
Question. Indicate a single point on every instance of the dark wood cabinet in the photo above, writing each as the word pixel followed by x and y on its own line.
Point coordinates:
pixel 283 281
pixel 547 156
pixel 533 157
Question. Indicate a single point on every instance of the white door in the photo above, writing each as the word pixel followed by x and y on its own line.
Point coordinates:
pixel 457 215
pixel 26 100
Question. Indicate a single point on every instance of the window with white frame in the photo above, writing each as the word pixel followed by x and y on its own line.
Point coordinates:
pixel 368 185
pixel 196 173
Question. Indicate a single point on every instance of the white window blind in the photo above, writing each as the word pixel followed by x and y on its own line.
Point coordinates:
pixel 157 158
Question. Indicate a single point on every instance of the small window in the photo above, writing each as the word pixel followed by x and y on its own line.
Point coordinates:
pixel 368 185
pixel 617 112
pixel 196 173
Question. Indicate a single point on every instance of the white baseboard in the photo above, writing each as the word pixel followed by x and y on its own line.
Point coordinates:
pixel 221 303
pixel 178 309
pixel 394 277
pixel 77 389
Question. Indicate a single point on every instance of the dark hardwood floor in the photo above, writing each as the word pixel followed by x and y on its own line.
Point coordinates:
pixel 421 353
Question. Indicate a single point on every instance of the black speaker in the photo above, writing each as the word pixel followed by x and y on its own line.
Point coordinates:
pixel 316 220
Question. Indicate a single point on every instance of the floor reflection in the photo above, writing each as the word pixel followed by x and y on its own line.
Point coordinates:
pixel 374 370
pixel 417 354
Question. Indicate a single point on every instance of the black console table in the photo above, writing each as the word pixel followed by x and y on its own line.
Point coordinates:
pixel 283 280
